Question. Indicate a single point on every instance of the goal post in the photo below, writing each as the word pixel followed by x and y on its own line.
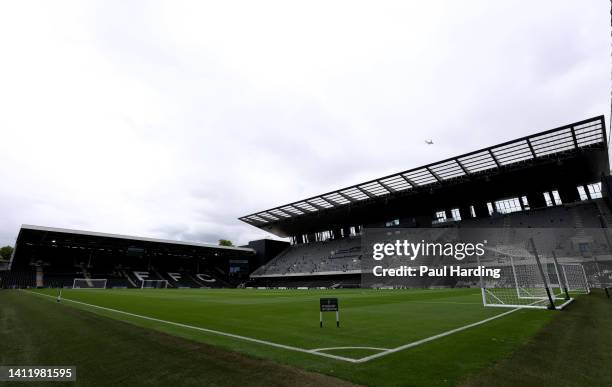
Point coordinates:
pixel 526 280
pixel 89 283
pixel 154 284
pixel 558 285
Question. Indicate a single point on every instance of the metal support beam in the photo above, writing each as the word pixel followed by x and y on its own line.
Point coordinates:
pixel 412 184
pixel 531 148
pixel 462 167
pixel 350 199
pixel 434 174
pixel 332 202
pixel 494 158
pixel 574 137
pixel 385 186
pixel 318 207
pixel 366 193
pixel 283 212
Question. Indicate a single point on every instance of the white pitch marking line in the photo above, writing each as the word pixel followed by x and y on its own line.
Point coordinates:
pixel 432 338
pixel 335 348
pixel 384 352
pixel 445 302
pixel 264 342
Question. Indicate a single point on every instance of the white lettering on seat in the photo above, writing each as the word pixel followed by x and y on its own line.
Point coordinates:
pixel 205 278
pixel 141 275
pixel 175 276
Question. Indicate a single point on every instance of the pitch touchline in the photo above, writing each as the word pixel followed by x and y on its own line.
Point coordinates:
pixel 316 351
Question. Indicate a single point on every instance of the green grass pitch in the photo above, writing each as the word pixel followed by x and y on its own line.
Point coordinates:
pixel 282 326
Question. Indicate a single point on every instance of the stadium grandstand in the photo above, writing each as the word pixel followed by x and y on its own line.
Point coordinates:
pixel 55 257
pixel 558 178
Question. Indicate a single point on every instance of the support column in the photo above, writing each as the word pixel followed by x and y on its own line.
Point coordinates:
pixel 481 209
pixel 465 212
pixel 568 193
pixel 536 200
pixel 337 233
pixel 449 215
pixel 423 220
pixel 346 231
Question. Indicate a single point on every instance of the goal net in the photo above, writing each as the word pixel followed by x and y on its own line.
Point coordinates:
pixel 526 280
pixel 575 278
pixel 89 283
pixel 154 284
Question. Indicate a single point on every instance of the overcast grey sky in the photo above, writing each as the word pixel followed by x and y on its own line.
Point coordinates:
pixel 172 119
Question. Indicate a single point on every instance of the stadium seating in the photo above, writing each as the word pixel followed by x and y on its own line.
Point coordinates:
pixel 303 265
pixel 313 281
pixel 119 273
pixel 330 263
pixel 575 215
pixel 331 256
pixel 17 279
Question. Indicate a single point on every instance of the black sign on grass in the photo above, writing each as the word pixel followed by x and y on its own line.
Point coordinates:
pixel 329 305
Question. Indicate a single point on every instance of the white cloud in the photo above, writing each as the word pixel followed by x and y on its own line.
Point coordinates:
pixel 171 119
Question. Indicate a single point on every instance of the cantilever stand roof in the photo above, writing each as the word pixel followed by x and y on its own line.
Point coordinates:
pixel 573 138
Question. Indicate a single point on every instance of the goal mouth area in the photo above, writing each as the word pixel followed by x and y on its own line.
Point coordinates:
pixel 89 283
pixel 154 284
pixel 530 302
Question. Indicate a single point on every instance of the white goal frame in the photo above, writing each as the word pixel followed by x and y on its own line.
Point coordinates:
pixel 552 279
pixel 156 282
pixel 575 278
pixel 533 283
pixel 88 282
